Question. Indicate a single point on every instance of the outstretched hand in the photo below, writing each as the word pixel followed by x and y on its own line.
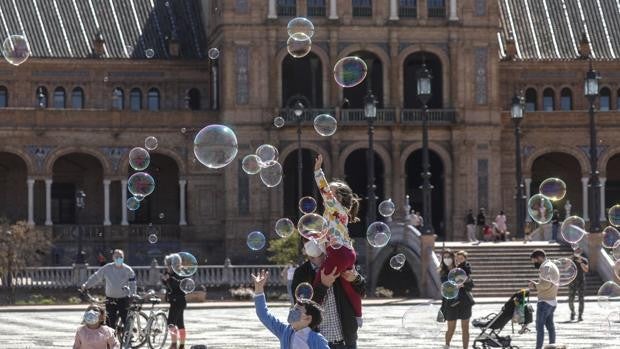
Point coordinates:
pixel 260 280
pixel 318 162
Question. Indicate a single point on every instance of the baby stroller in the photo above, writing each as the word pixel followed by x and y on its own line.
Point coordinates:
pixel 517 309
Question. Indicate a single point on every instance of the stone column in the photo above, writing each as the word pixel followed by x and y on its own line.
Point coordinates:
pixel 453 15
pixel 48 201
pixel 182 183
pixel 527 182
pixel 393 10
pixel 124 202
pixel 602 180
pixel 30 182
pixel 106 202
pixel 584 197
pixel 333 10
pixel 272 12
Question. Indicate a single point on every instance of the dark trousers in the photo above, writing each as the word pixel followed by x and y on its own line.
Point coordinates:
pixel 175 314
pixel 341 345
pixel 115 308
pixel 572 291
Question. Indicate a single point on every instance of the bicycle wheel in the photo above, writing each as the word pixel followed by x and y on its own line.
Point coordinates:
pixel 157 331
pixel 139 328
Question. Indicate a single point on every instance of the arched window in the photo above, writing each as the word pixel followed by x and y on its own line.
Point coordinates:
pixel 548 99
pixel 118 99
pixel 566 99
pixel 413 63
pixel 605 99
pixel 193 99
pixel 59 98
pixel 4 97
pixel 135 99
pixel 153 99
pixel 530 99
pixel 41 97
pixel 77 98
pixel 302 77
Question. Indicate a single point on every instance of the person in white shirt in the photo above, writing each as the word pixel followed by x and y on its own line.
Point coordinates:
pixel 289 270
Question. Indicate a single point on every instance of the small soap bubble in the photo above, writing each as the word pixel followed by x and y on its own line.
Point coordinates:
pixel 256 241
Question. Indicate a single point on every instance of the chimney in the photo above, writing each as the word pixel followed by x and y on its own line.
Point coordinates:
pixel 584 47
pixel 98 43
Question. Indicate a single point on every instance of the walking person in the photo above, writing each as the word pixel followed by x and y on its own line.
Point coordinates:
pixel 289 272
pixel 481 220
pixel 176 297
pixel 555 226
pixel 470 225
pixel 547 293
pixel 94 334
pixel 500 225
pixel 577 287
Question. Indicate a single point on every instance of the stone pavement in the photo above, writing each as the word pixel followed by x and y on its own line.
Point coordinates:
pixel 239 328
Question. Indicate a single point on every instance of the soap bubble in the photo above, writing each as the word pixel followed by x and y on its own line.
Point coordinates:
pixel 611 235
pixel 161 215
pixel 271 175
pixel 304 291
pixel 458 276
pixel 251 164
pixel 350 71
pixel 573 229
pixel 139 197
pixel 567 269
pixel 378 234
pixel 267 153
pixel 298 45
pixel 15 49
pixel 141 183
pixel 312 226
pixel 615 252
pixel 215 146
pixel 548 271
pixel 278 121
pixel 609 291
pixel 133 204
pixel 553 188
pixel 449 290
pixel 256 241
pixel 284 227
pixel 149 53
pixel 614 215
pixel 183 264
pixel 139 158
pixel 307 204
pixel 325 125
pixel 420 322
pixel 187 285
pixel 150 143
pixel 153 238
pixel 300 25
pixel 214 53
pixel 540 209
pixel 397 261
pixel 617 267
pixel 387 208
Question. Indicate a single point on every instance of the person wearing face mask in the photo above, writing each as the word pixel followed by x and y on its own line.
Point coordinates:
pixel 94 334
pixel 577 287
pixel 118 277
pixel 302 331
pixel 547 293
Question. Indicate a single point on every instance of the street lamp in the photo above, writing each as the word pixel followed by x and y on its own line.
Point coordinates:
pixel 370 112
pixel 591 92
pixel 516 113
pixel 80 203
pixel 424 94
pixel 298 112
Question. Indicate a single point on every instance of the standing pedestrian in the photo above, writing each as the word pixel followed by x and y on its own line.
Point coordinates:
pixel 176 297
pixel 500 223
pixel 481 220
pixel 470 224
pixel 555 226
pixel 289 272
pixel 578 285
pixel 547 293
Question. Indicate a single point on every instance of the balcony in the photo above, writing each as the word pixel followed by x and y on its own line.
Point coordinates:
pixel 287 10
pixel 559 119
pixel 316 10
pixel 386 117
pixel 96 233
pixel 437 12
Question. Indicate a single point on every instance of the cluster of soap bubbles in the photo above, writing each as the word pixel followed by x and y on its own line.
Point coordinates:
pixel 141 184
pixel 540 206
pixel 16 49
pixel 265 162
pixel 378 234
pixel 300 31
pixel 185 265
pixel 397 262
pixel 611 236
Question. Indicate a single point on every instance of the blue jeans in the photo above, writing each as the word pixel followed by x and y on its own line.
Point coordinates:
pixel 554 232
pixel 343 346
pixel 544 318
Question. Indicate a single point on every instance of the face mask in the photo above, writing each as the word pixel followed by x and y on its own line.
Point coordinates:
pixel 537 265
pixel 447 261
pixel 119 261
pixel 91 317
pixel 294 315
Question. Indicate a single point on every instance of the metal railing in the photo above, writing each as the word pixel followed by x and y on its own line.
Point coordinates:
pixel 357 115
pixel 408 9
pixel 287 8
pixel 434 115
pixel 384 116
pixel 316 9
pixel 437 12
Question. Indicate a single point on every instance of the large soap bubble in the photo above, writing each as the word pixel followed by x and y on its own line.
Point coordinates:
pixel 548 271
pixel 540 209
pixel 299 45
pixel 553 188
pixel 350 71
pixel 139 158
pixel 300 25
pixel 251 164
pixel 183 264
pixel 378 234
pixel 568 270
pixel 304 291
pixel 420 322
pixel 611 235
pixel 150 143
pixel 458 276
pixel 573 229
pixel 15 49
pixel 215 146
pixel 284 227
pixel 267 153
pixel 187 285
pixel 141 183
pixel 271 175
pixel 325 125
pixel 312 226
pixel 133 204
pixel 307 204
pixel 614 215
pixel 449 290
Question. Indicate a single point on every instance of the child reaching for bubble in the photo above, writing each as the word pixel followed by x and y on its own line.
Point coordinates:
pixel 340 207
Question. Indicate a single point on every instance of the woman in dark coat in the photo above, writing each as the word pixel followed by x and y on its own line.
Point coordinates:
pixel 176 298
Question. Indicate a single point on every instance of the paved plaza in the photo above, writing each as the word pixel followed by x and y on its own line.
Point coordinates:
pixel 238 327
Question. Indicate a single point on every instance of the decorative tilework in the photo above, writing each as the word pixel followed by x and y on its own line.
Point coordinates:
pixel 243 91
pixel 243 196
pixel 115 154
pixel 483 183
pixel 480 59
pixel 40 153
pixel 480 8
pixel 241 6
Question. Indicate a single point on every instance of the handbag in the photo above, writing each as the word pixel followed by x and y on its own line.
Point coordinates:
pixel 440 317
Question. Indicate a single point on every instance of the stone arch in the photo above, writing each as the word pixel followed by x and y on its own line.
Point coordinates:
pixel 103 160
pixel 291 148
pixel 123 170
pixel 385 64
pixel 325 63
pixel 584 163
pixel 445 64
pixel 604 159
pixel 379 149
pixel 30 165
pixel 446 158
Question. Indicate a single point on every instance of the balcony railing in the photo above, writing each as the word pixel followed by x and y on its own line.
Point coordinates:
pixel 437 12
pixel 408 11
pixel 133 232
pixel 434 115
pixel 357 115
pixel 384 116
pixel 362 10
pixel 316 10
pixel 287 10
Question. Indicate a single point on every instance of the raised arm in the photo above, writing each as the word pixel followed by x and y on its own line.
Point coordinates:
pixel 328 197
pixel 274 325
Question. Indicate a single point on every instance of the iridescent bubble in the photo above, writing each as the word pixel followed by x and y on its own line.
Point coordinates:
pixel 150 143
pixel 15 49
pixel 256 241
pixel 153 238
pixel 307 204
pixel 614 215
pixel 449 290
pixel 458 276
pixel 548 271
pixel 611 235
pixel 573 229
pixel 184 264
pixel 141 183
pixel 149 53
pixel 133 204
pixel 284 227
pixel 540 209
pixel 350 71
pixel 278 121
pixel 609 289
pixel 300 25
pixel 267 153
pixel 298 45
pixel 251 164
pixel 215 146
pixel 325 125
pixel 567 269
pixel 139 197
pixel 378 234
pixel 187 285
pixel 553 188
pixel 271 175
pixel 214 53
pixel 304 291
pixel 387 208
pixel 139 158
pixel 398 261
pixel 335 241
pixel 312 226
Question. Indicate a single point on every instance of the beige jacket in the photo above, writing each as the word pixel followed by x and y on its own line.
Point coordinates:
pixel 547 291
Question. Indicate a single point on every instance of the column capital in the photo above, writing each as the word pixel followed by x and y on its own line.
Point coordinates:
pixel 183 181
pixel 584 180
pixel 107 181
pixel 30 180
pixel 602 180
pixel 48 181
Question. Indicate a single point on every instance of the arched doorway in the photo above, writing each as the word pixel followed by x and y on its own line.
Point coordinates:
pixel 413 170
pixel 612 184
pixel 403 282
pixel 412 64
pixel 162 206
pixel 565 167
pixel 290 182
pixel 356 175
pixel 302 76
pixel 374 81
pixel 13 188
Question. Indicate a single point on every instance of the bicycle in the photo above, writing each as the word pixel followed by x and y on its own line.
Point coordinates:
pixel 141 328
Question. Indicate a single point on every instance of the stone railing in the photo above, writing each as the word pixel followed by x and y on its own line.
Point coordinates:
pixel 385 116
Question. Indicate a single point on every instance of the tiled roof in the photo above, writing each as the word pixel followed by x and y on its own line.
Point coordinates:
pixel 66 28
pixel 552 29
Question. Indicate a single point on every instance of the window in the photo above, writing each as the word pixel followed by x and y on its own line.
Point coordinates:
pixel 77 98
pixel 316 8
pixel 135 99
pixel 41 97
pixel 530 99
pixel 436 8
pixel 118 99
pixel 408 8
pixel 193 99
pixel 566 99
pixel 59 98
pixel 605 99
pixel 287 8
pixel 4 97
pixel 152 99
pixel 548 100
pixel 618 100
pixel 362 8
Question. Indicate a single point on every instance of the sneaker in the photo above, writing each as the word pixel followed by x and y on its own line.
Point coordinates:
pixel 572 316
pixel 580 318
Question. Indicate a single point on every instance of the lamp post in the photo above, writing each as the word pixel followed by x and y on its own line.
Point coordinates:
pixel 298 111
pixel 80 203
pixel 591 92
pixel 516 113
pixel 370 112
pixel 424 78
